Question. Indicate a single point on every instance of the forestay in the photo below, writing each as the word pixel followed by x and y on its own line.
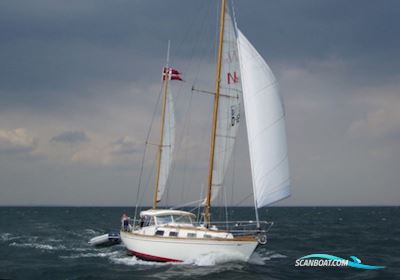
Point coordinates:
pixel 265 121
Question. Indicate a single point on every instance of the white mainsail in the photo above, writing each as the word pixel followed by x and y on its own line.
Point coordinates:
pixel 265 121
pixel 167 148
pixel 228 107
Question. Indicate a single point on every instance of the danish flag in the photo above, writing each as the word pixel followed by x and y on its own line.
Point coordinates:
pixel 171 74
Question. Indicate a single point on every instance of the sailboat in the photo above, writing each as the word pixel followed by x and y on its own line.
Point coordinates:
pixel 169 235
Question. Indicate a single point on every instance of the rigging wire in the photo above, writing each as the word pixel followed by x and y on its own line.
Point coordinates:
pixel 233 173
pixel 200 203
pixel 196 64
pixel 186 204
pixel 226 208
pixel 181 86
pixel 144 152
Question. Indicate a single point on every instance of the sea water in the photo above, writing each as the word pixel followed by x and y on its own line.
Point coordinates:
pixel 51 243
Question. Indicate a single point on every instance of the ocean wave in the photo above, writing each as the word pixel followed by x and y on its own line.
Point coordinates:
pixel 37 246
pixel 272 255
pixel 42 225
pixel 91 255
pixel 276 256
pixel 257 259
pixel 211 259
pixel 90 231
pixel 54 240
pixel 6 236
pixel 133 261
pixel 201 267
pixel 215 259
pixel 80 249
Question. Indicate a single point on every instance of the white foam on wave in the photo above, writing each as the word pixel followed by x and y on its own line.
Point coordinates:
pixel 80 249
pixel 90 231
pixel 257 259
pixel 277 256
pixel 37 246
pixel 211 259
pixel 91 255
pixel 273 255
pixel 202 266
pixel 133 261
pixel 260 257
pixel 214 259
pixel 6 236
pixel 54 240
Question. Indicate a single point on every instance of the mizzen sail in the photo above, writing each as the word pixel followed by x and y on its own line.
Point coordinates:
pixel 168 133
pixel 265 121
pixel 167 148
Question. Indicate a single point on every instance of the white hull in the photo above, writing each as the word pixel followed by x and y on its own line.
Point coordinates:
pixel 170 249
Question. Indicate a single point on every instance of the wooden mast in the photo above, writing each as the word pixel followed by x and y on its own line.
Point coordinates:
pixel 166 76
pixel 215 114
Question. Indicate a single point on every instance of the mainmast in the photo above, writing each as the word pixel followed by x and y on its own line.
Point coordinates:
pixel 215 114
pixel 160 146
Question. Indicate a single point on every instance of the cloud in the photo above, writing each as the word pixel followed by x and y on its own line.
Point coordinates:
pixel 379 123
pixel 119 152
pixel 381 119
pixel 124 145
pixel 377 127
pixel 92 156
pixel 71 137
pixel 16 141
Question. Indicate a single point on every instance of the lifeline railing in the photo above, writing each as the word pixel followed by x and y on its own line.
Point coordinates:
pixel 237 228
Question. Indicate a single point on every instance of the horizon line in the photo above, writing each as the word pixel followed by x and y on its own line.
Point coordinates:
pixel 168 207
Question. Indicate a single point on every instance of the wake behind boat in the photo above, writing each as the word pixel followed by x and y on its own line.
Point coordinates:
pixel 174 236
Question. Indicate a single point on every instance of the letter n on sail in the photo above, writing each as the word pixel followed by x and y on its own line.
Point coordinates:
pixel 232 78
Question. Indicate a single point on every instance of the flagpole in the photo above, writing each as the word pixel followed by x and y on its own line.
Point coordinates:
pixel 168 48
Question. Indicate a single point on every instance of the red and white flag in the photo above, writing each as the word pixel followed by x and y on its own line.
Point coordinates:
pixel 171 74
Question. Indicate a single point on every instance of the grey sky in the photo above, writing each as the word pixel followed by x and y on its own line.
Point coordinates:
pixel 79 81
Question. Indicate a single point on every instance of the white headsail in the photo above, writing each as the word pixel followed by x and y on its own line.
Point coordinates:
pixel 168 143
pixel 228 108
pixel 265 120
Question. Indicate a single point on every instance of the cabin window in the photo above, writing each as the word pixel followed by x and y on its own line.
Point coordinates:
pixel 164 220
pixel 207 236
pixel 147 221
pixel 151 222
pixel 191 235
pixel 173 233
pixel 182 219
pixel 160 232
